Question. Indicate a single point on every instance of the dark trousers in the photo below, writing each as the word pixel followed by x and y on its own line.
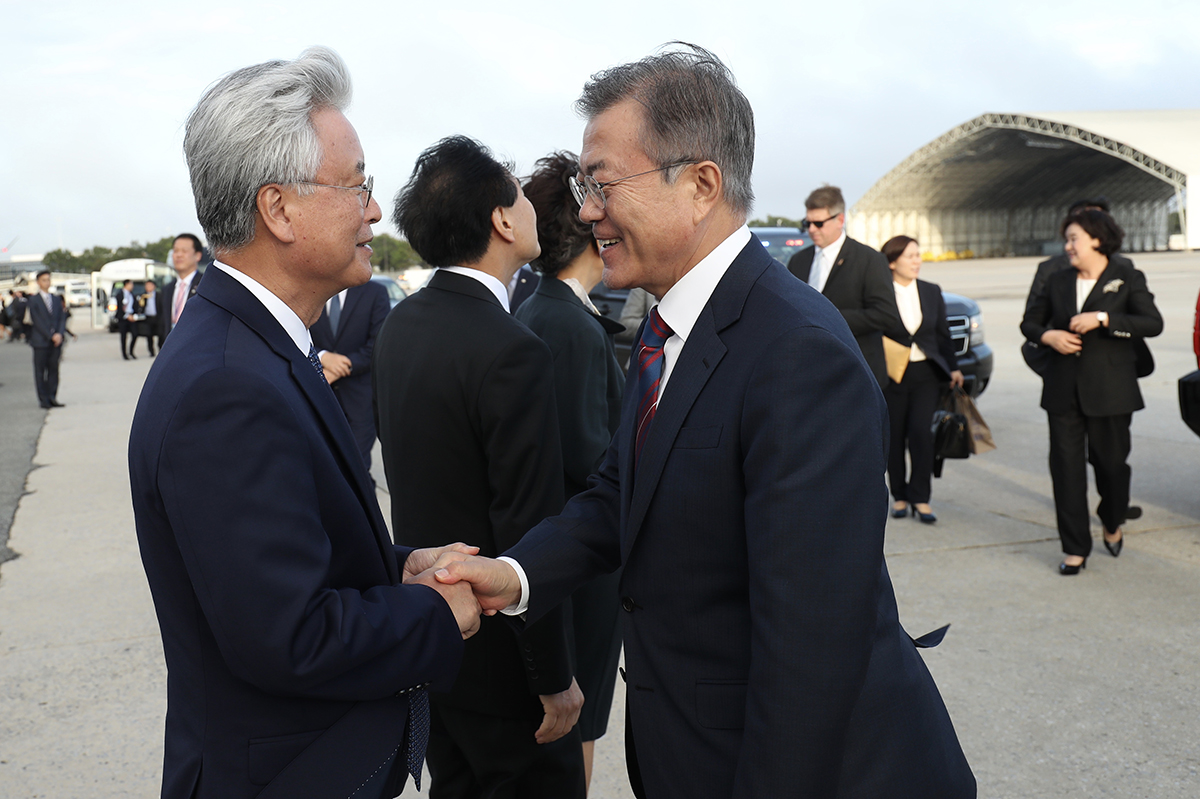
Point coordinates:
pixel 45 373
pixel 911 404
pixel 479 756
pixel 1107 448
pixel 124 328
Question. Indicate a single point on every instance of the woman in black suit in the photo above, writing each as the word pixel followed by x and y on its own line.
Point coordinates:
pixel 931 363
pixel 1090 316
pixel 588 384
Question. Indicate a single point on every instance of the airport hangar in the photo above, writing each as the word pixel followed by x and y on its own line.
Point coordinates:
pixel 1000 184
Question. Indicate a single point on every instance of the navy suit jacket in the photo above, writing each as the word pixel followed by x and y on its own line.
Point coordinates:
pixel 44 324
pixel 763 652
pixel 362 315
pixel 286 632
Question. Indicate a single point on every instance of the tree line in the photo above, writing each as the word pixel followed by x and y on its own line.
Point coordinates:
pixel 390 255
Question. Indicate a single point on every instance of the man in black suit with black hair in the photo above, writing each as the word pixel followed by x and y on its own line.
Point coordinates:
pixel 851 275
pixel 126 302
pixel 466 413
pixel 47 329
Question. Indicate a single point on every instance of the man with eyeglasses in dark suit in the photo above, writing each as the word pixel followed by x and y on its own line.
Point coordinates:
pixel 851 275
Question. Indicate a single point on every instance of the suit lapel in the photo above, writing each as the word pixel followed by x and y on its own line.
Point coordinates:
pixel 226 292
pixel 836 272
pixel 352 299
pixel 698 360
pixel 1093 298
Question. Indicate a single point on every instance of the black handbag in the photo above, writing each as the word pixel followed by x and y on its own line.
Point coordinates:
pixel 1189 400
pixel 951 436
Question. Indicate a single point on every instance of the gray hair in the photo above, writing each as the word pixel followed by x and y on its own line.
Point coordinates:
pixel 254 127
pixel 693 111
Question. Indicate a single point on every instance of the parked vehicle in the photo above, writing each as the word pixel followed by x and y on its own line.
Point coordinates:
pixel 963 313
pixel 395 293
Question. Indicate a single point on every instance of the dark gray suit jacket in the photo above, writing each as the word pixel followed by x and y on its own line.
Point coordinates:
pixel 860 286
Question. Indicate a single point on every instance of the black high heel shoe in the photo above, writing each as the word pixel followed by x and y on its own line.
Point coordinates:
pixel 1066 570
pixel 927 518
pixel 899 513
pixel 1114 549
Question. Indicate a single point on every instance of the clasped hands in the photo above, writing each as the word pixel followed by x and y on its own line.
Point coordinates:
pixel 474 586
pixel 1069 342
pixel 470 585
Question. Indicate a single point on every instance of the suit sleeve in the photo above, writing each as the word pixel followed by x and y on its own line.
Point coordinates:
pixel 376 298
pixel 524 455
pixel 879 312
pixel 944 342
pixel 1037 316
pixel 261 567
pixel 1141 318
pixel 814 442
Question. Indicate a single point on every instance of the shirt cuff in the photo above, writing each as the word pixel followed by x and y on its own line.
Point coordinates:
pixel 522 604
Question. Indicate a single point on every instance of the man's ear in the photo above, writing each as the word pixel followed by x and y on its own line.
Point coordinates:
pixel 708 182
pixel 273 209
pixel 502 224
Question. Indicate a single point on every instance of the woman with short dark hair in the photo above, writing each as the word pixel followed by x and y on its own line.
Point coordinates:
pixel 1090 317
pixel 931 363
pixel 588 385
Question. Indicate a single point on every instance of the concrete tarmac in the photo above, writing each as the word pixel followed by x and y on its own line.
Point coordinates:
pixel 1059 687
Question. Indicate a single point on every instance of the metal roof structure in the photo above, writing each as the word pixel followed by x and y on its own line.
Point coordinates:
pixel 1000 183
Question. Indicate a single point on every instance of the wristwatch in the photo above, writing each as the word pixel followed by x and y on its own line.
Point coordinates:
pixel 1102 317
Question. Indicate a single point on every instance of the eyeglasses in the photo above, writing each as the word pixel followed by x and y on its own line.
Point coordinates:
pixel 807 223
pixel 364 191
pixel 588 186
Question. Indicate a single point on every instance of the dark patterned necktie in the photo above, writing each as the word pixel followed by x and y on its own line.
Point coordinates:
pixel 418 731
pixel 316 362
pixel 650 369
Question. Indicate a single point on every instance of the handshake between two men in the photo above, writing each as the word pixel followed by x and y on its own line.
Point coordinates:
pixel 473 586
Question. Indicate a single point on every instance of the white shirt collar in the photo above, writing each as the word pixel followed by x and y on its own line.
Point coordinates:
pixel 680 307
pixel 285 316
pixel 492 282
pixel 831 252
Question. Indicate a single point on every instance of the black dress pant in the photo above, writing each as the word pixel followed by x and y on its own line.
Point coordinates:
pixel 1107 443
pixel 126 327
pixel 481 756
pixel 45 373
pixel 911 404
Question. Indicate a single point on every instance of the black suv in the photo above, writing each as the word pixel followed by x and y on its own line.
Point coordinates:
pixel 963 313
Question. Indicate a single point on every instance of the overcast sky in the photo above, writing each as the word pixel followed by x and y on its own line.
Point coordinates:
pixel 93 96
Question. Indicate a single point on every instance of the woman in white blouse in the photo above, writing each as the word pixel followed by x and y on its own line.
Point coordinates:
pixel 931 363
pixel 1090 317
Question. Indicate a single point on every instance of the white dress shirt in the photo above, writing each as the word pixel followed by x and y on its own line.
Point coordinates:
pixel 492 282
pixel 823 260
pixel 908 301
pixel 285 316
pixel 680 307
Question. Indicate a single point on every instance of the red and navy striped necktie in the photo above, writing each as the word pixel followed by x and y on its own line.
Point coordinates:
pixel 650 369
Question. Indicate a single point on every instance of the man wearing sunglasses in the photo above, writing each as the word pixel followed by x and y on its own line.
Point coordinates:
pixel 851 275
pixel 742 495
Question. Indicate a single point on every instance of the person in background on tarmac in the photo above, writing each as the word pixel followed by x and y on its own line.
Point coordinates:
pixel 1036 355
pixel 16 315
pixel 912 401
pixel 1090 318
pixel 149 324
pixel 126 312
pixel 186 255
pixel 588 384
pixel 48 324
